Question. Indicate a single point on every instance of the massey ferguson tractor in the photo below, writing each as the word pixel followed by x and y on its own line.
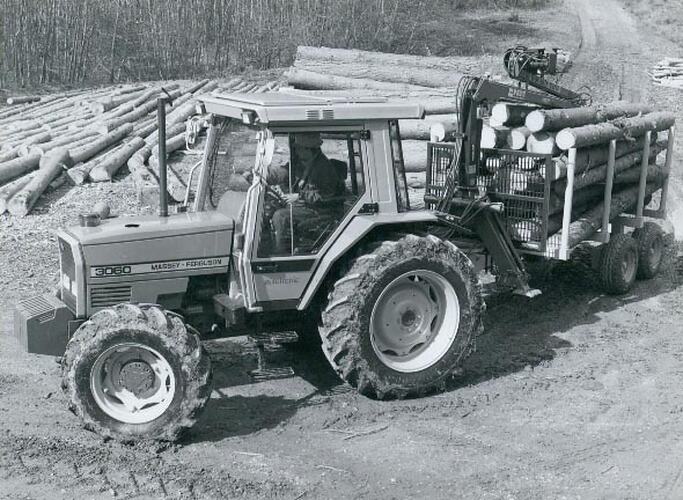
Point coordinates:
pixel 389 275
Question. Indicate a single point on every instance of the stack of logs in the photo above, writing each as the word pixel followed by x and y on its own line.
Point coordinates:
pixel 668 72
pixel 429 81
pixel 89 135
pixel 589 130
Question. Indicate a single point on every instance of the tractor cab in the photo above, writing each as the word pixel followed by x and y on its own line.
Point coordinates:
pixel 319 164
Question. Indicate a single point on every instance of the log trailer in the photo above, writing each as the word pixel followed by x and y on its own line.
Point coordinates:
pixel 390 276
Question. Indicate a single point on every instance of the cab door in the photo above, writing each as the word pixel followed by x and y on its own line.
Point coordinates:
pixel 289 238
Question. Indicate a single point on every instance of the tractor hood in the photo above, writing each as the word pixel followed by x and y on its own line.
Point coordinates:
pixel 125 229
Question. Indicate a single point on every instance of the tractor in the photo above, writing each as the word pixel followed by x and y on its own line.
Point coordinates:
pixel 388 275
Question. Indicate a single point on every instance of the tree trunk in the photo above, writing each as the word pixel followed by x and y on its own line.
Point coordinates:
pixel 310 80
pixel 51 166
pixel 106 169
pixel 600 133
pixel 17 167
pixel 422 129
pixel 542 143
pixel 86 152
pixel 11 101
pixel 557 119
pixel 414 155
pixel 512 115
pixel 423 77
pixel 10 189
pixel 589 222
pixel 518 138
pixel 444 130
pixel 599 173
pixel 494 137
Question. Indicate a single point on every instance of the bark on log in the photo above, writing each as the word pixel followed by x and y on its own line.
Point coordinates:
pixel 414 155
pixel 10 189
pixel 310 80
pixel 18 167
pixel 557 119
pixel 86 152
pixel 171 131
pixel 542 143
pixel 591 157
pixel 176 186
pixel 599 173
pixel 108 103
pixel 106 169
pixel 518 138
pixel 78 174
pixel 494 137
pixel 65 140
pixel 26 99
pixel 590 221
pixel 512 115
pixel 422 129
pixel 51 166
pixel 600 133
pixel 424 77
pixel 9 154
pixel 444 130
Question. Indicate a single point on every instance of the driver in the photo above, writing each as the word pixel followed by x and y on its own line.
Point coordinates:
pixel 319 191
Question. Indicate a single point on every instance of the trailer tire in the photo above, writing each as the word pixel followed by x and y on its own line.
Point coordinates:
pixel 650 239
pixel 403 317
pixel 136 373
pixel 619 264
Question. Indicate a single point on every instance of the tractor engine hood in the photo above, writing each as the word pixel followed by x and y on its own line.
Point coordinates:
pixel 123 258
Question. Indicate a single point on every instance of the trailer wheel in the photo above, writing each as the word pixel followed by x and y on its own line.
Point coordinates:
pixel 135 373
pixel 619 264
pixel 403 317
pixel 650 239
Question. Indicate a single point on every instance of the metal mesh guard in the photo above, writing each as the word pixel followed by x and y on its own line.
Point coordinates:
pixel 511 177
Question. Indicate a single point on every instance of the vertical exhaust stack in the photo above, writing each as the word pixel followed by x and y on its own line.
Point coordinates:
pixel 163 192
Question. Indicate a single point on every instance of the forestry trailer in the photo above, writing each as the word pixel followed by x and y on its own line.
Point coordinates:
pixel 389 274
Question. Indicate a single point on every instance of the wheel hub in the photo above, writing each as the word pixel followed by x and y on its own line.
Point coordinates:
pixel 414 320
pixel 137 377
pixel 132 383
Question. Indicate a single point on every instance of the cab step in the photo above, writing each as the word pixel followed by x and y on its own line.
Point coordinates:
pixel 270 341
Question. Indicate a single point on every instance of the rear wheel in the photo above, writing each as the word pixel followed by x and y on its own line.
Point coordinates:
pixel 619 264
pixel 136 373
pixel 403 317
pixel 650 239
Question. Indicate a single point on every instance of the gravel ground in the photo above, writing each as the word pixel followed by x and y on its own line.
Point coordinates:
pixel 573 394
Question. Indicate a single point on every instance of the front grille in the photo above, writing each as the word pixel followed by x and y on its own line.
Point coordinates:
pixel 109 296
pixel 68 268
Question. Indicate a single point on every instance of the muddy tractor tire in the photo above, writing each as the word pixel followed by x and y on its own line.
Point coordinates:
pixel 403 317
pixel 650 239
pixel 136 373
pixel 619 264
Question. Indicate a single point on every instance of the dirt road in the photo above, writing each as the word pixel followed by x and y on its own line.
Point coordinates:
pixel 573 394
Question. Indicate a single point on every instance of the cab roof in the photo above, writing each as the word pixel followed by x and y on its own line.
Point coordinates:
pixel 280 107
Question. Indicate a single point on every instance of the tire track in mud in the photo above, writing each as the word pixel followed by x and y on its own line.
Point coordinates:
pixel 136 473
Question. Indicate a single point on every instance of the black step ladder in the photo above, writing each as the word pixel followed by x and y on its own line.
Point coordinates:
pixel 270 341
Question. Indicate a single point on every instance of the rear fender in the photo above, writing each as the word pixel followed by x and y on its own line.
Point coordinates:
pixel 358 228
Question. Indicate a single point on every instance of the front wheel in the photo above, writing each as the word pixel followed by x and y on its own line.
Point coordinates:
pixel 136 373
pixel 619 264
pixel 403 317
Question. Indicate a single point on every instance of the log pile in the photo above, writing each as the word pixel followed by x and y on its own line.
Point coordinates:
pixel 90 135
pixel 429 81
pixel 588 130
pixel 668 72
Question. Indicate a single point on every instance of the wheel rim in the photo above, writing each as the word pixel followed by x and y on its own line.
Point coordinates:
pixel 415 321
pixel 132 383
pixel 629 265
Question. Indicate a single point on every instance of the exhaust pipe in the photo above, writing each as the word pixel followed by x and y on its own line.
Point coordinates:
pixel 163 193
